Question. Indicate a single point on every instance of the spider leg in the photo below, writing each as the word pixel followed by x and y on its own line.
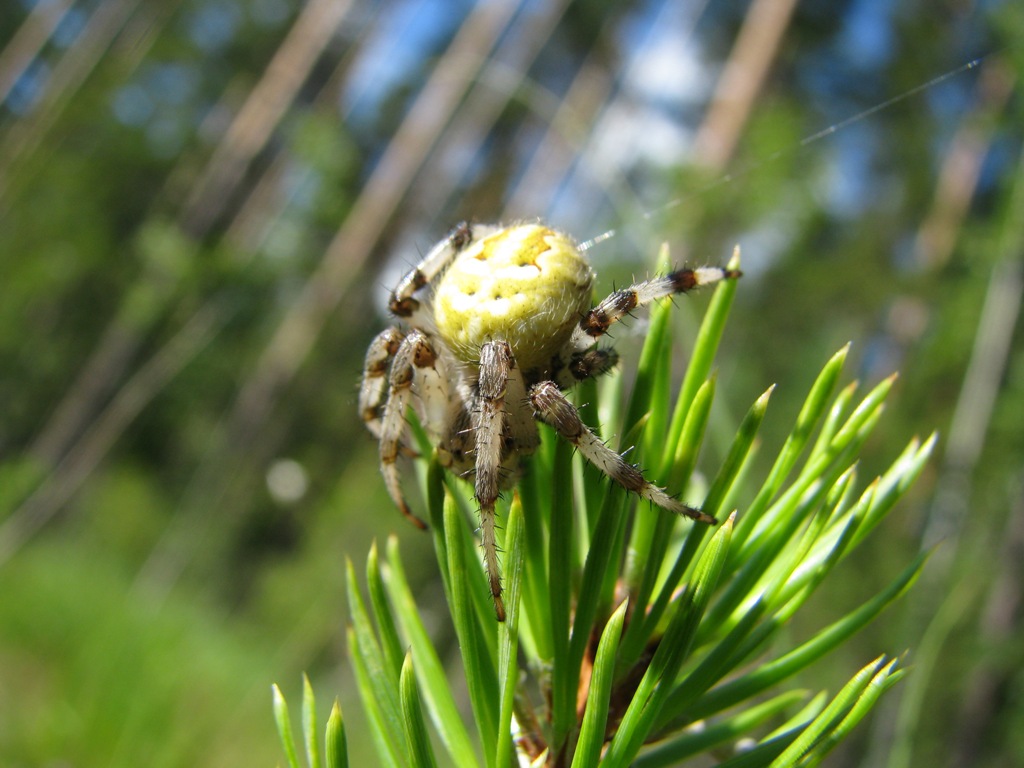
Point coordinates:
pixel 551 407
pixel 583 365
pixel 440 256
pixel 597 321
pixel 415 354
pixel 373 390
pixel 496 362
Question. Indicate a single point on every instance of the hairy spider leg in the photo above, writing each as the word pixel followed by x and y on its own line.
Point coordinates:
pixel 552 407
pixel 584 365
pixel 496 362
pixel 414 360
pixel 373 391
pixel 620 303
pixel 433 264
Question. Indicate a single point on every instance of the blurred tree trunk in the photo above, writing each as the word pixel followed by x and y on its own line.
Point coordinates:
pixel 744 74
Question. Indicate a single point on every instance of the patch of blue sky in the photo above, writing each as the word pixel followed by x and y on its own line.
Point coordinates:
pixel 867 39
pixel 952 97
pixel 403 37
pixel 1004 152
pixel 213 25
pixel 28 87
pixel 69 27
pixel 841 73
pixel 645 126
pixel 173 83
pixel 665 78
pixel 133 105
pixel 850 184
pixel 161 90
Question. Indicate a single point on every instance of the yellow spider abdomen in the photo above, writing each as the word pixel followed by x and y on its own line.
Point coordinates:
pixel 526 284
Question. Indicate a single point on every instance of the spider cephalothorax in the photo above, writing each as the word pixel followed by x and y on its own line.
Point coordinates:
pixel 505 328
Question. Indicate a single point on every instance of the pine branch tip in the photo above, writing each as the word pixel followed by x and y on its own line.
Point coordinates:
pixel 734 262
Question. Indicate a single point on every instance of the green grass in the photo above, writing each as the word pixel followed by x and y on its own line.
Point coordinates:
pixel 94 673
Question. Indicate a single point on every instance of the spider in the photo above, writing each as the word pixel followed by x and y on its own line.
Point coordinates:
pixel 507 327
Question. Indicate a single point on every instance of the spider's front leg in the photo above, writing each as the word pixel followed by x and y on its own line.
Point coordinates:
pixel 619 304
pixel 551 407
pixel 402 303
pixel 496 363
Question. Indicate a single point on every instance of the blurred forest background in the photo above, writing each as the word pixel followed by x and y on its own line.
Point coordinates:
pixel 203 202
